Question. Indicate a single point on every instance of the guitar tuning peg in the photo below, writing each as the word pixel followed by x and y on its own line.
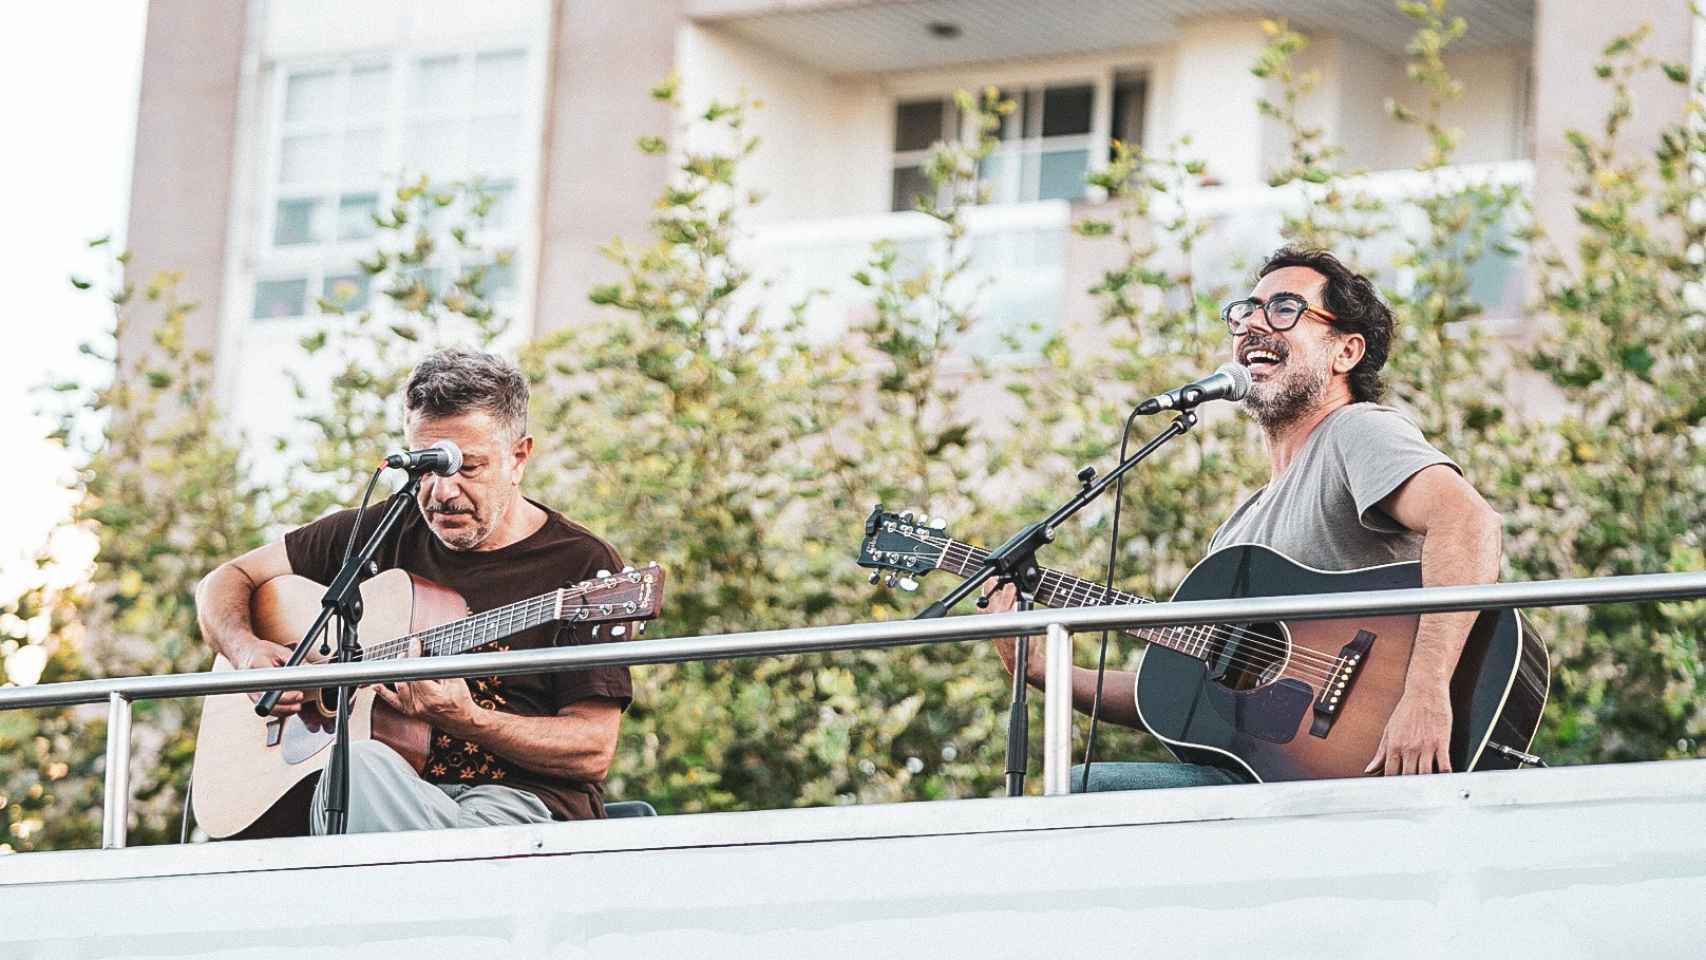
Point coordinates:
pixel 602 574
pixel 893 581
pixel 908 584
pixel 628 569
pixel 618 631
pixel 640 628
pixel 907 516
pixel 875 577
pixel 938 522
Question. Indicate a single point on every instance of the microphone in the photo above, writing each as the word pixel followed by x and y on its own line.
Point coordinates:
pixel 1230 382
pixel 443 458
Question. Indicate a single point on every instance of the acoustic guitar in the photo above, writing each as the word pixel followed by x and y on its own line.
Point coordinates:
pixel 1282 700
pixel 253 775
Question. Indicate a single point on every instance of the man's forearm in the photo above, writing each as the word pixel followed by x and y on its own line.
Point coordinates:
pixel 1463 552
pixel 1119 692
pixel 222 609
pixel 576 747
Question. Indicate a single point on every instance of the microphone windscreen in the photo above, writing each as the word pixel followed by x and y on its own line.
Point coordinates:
pixel 1241 381
pixel 454 453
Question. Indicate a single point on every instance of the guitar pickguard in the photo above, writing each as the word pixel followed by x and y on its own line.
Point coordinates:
pixel 1272 712
pixel 302 741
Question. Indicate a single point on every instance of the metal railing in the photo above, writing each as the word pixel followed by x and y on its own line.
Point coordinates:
pixel 119 692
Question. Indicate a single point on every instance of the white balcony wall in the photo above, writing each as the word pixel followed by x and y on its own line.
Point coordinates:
pixel 826 140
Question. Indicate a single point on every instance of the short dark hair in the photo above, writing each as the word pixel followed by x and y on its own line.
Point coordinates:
pixel 1357 307
pixel 455 381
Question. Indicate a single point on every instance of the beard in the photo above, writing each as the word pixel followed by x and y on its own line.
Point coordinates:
pixel 471 536
pixel 1274 403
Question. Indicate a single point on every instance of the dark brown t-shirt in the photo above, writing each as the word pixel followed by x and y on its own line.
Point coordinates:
pixel 560 553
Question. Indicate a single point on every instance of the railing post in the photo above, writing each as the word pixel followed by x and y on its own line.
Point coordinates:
pixel 1057 712
pixel 115 814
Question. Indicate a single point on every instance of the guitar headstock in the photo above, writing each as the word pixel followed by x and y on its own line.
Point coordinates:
pixel 907 545
pixel 631 595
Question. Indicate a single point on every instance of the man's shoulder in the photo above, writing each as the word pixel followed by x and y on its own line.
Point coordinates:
pixel 1370 415
pixel 1356 425
pixel 559 532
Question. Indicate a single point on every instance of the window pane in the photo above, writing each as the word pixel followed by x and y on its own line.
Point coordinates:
pixel 309 96
pixel 355 215
pixel 277 299
pixel 437 84
pixel 434 148
pixel 1128 110
pixel 430 277
pixel 305 159
pixel 369 91
pixel 500 208
pixel 1062 175
pixel 1000 173
pixel 361 160
pixel 495 145
pixel 1066 111
pixel 347 290
pixel 499 78
pixel 297 221
pixel 909 182
pixel 500 281
pixel 918 125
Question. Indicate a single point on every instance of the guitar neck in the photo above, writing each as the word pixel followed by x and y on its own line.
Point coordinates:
pixel 463 635
pixel 1056 590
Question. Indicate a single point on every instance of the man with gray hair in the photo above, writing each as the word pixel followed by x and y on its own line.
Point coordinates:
pixel 503 750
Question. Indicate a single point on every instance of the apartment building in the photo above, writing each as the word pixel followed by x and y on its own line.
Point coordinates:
pixel 270 130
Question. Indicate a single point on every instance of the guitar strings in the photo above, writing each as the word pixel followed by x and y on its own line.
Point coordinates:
pixel 1309 664
pixel 531 611
pixel 1088 590
pixel 1199 638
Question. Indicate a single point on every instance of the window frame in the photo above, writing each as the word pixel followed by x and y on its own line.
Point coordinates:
pixel 328 256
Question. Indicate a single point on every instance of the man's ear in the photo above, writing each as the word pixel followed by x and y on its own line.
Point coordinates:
pixel 521 450
pixel 1350 351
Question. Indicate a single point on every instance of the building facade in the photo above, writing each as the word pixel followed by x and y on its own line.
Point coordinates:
pixel 269 132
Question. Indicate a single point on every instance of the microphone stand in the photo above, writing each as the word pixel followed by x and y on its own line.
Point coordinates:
pixel 343 600
pixel 1016 562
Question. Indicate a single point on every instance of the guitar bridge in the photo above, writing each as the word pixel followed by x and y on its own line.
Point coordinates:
pixel 1340 683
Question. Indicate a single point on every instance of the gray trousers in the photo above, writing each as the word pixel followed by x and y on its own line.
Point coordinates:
pixel 386 794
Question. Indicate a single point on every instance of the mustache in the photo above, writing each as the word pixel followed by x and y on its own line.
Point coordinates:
pixel 451 509
pixel 1257 342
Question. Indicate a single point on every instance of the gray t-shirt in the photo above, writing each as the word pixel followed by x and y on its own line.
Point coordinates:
pixel 1322 511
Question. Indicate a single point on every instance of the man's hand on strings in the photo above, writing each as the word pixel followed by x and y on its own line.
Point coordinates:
pixel 259 654
pixel 1417 737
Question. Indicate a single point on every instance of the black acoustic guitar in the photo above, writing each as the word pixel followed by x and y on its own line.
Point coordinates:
pixel 1284 700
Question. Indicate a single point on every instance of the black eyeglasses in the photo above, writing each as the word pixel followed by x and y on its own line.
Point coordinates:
pixel 1282 311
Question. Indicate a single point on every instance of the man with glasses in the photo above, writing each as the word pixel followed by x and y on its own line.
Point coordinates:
pixel 1351 484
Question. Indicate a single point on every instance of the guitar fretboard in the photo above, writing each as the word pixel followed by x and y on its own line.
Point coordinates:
pixel 463 635
pixel 1057 589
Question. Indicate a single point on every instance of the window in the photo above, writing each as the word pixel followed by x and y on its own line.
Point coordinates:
pixel 1046 143
pixel 918 126
pixel 346 133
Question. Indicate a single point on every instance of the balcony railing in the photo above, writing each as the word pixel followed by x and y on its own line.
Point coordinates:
pixel 119 692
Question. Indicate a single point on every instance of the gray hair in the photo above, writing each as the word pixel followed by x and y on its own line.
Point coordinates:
pixel 455 381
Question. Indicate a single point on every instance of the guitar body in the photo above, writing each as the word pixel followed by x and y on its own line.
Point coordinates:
pixel 1253 704
pixel 253 776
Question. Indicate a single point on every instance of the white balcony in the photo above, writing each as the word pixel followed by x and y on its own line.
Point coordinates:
pixel 1017 275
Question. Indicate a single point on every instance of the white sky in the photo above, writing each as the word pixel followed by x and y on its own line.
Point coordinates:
pixel 69 73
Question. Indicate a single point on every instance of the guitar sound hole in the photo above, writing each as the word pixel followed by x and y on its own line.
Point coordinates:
pixel 1244 656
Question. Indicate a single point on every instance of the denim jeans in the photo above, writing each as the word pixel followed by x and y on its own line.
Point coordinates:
pixel 1151 776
